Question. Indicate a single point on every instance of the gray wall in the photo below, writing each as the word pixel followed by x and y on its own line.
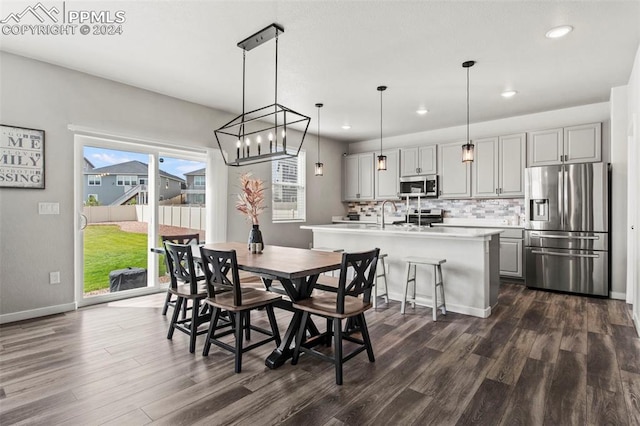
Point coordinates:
pixel 323 197
pixel 43 96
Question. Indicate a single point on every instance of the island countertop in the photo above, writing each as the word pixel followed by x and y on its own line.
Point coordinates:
pixel 408 231
pixel 471 270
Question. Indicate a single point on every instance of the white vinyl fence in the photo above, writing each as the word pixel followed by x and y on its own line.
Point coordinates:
pixel 183 216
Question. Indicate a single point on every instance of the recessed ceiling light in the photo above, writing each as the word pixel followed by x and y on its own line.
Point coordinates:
pixel 346 127
pixel 508 93
pixel 422 111
pixel 558 32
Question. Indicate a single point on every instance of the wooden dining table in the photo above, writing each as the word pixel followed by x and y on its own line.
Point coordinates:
pixel 297 269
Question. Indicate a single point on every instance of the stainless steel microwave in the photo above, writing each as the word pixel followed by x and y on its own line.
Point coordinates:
pixel 419 186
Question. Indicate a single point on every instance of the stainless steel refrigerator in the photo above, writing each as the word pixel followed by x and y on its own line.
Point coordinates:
pixel 566 228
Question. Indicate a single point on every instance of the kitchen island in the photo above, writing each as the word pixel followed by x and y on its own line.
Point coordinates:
pixel 471 273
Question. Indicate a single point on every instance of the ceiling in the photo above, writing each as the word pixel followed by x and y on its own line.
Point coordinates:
pixel 339 52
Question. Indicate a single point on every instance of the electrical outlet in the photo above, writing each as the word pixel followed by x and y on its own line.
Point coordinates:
pixel 54 277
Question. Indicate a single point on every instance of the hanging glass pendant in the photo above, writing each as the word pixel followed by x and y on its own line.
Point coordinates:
pixel 382 162
pixel 467 148
pixel 319 169
pixel 467 153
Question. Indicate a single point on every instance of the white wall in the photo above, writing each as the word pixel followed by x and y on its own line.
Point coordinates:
pixel 618 231
pixel 633 133
pixel 44 96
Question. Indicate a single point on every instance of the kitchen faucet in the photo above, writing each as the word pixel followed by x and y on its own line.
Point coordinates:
pixel 395 209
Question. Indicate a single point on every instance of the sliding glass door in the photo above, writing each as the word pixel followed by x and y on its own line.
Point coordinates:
pixel 127 194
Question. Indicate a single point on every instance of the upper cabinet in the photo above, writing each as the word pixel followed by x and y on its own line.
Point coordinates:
pixel 498 166
pixel 418 161
pixel 388 181
pixel 358 177
pixel 576 144
pixel 454 174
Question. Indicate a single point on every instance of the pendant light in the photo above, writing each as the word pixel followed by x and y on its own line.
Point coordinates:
pixel 271 122
pixel 467 148
pixel 319 165
pixel 382 159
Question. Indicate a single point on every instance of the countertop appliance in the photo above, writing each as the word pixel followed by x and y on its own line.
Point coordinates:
pixel 425 217
pixel 567 229
pixel 419 186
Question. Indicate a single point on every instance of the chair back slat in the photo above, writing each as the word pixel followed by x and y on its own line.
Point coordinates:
pixel 180 265
pixel 221 273
pixel 182 239
pixel 364 267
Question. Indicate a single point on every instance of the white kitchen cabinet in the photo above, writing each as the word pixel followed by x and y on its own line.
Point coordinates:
pixel 418 161
pixel 388 181
pixel 454 174
pixel 583 144
pixel 498 166
pixel 358 177
pixel 576 144
pixel 511 254
pixel 485 168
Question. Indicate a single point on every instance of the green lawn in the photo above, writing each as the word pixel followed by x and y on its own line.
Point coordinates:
pixel 106 248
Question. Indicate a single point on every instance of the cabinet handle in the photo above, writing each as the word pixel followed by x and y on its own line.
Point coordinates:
pixel 497 191
pixel 441 192
pixel 501 190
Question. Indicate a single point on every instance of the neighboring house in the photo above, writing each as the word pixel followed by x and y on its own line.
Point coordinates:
pixel 196 183
pixel 88 165
pixel 125 183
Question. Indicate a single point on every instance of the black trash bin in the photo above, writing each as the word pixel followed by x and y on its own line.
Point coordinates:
pixel 126 279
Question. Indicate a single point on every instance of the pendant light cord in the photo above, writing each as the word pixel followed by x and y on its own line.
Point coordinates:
pixel 380 122
pixel 468 141
pixel 318 134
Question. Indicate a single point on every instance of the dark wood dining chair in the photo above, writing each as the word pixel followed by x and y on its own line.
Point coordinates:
pixel 185 285
pixel 177 239
pixel 351 300
pixel 221 270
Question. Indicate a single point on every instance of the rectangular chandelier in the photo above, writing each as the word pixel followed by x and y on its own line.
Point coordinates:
pixel 263 134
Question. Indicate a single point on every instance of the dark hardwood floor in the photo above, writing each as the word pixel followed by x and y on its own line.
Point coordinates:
pixel 541 358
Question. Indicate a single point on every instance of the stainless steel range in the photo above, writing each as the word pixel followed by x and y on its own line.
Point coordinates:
pixel 566 228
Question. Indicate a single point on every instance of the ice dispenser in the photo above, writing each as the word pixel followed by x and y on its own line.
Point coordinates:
pixel 539 209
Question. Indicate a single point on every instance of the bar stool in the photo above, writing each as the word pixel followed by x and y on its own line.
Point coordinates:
pixel 437 269
pixel 381 272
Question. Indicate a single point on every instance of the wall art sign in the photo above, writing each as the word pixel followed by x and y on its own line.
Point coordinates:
pixel 21 157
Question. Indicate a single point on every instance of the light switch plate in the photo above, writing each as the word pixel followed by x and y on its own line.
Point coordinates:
pixel 54 277
pixel 48 208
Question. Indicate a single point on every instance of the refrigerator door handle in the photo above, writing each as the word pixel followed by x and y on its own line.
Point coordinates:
pixel 554 253
pixel 567 237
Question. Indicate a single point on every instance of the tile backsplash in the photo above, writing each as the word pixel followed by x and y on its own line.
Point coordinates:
pixel 494 208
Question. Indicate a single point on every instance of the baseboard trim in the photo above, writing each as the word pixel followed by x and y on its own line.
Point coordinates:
pixel 460 309
pixel 36 313
pixel 636 321
pixel 618 295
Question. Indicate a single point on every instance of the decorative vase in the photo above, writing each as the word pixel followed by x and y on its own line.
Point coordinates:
pixel 255 240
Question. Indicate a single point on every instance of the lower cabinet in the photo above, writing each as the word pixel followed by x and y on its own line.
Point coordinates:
pixel 511 253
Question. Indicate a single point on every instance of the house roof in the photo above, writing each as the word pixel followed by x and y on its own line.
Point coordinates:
pixel 129 168
pixel 199 172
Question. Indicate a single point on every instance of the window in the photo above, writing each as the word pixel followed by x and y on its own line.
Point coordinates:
pixel 142 181
pixel 95 180
pixel 288 189
pixel 124 180
pixel 198 181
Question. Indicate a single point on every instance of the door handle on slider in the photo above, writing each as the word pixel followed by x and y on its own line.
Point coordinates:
pixel 554 253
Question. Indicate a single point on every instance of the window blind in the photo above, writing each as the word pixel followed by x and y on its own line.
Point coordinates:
pixel 288 189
